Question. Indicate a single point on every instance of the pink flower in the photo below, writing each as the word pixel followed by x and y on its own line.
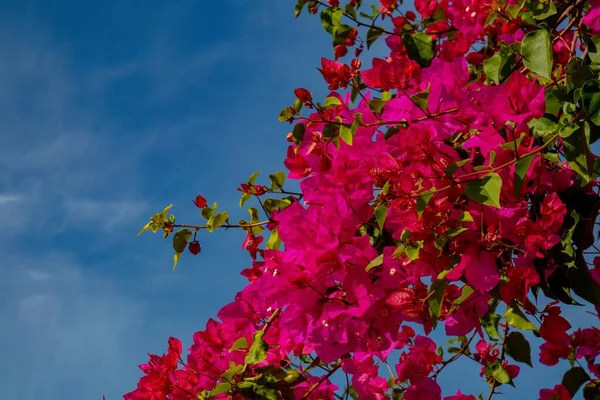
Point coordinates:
pixel 592 17
pixel 479 267
pixel 460 396
pixel 559 392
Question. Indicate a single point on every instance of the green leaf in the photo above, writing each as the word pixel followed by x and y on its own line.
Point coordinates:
pixel 465 216
pixel 593 44
pixel 241 343
pixel 298 133
pixel 216 221
pixel 331 102
pixel 258 351
pixel 451 169
pixel 516 318
pixel 285 114
pixel 582 282
pixel 223 387
pixel 330 19
pixel 346 134
pixel 423 200
pixel 578 154
pixel 412 252
pixel 518 348
pixel 274 241
pixel 375 263
pixel 574 378
pixel 253 177
pixel 277 180
pixel 380 214
pixel 436 295
pixel 496 371
pixel 299 7
pixel 490 323
pixel 514 10
pixel 536 50
pixel 419 47
pixel 181 239
pixel 376 105
pixel 542 10
pixel 372 35
pixel 590 94
pixel 521 169
pixel 330 131
pixel 245 197
pixel 492 67
pixel 465 293
pixel 208 212
pixel 486 190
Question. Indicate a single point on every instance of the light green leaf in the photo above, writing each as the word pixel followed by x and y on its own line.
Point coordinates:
pixel 330 19
pixel 380 214
pixel 492 67
pixel 221 388
pixel 536 50
pixel 216 221
pixel 253 177
pixel 346 134
pixel 332 102
pixel 241 343
pixel 258 351
pixel 496 371
pixel 375 263
pixel 277 180
pixel 516 318
pixel 486 190
pixel 245 197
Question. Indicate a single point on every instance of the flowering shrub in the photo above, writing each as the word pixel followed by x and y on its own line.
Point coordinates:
pixel 449 186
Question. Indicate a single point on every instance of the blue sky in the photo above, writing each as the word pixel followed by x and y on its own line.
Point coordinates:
pixel 108 112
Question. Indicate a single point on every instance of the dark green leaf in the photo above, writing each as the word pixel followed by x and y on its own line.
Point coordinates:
pixel 582 282
pixel 436 294
pixel 419 47
pixel 298 133
pixel 518 348
pixel 486 190
pixel 593 44
pixel 574 378
pixel 181 239
pixel 590 95
pixel 536 50
pixel 578 154
pixel 372 35
pixel 423 200
pixel 521 169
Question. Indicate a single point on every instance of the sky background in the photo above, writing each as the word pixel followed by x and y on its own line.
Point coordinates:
pixel 110 111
